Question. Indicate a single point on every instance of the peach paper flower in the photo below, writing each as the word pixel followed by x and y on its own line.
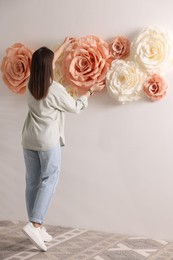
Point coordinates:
pixel 15 67
pixel 155 88
pixel 119 47
pixel 84 62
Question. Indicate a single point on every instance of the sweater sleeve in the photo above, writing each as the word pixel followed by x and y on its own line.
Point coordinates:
pixel 64 102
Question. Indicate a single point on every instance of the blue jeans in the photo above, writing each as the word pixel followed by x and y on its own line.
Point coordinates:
pixel 42 174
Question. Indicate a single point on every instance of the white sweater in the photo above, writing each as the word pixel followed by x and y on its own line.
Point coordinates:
pixel 44 126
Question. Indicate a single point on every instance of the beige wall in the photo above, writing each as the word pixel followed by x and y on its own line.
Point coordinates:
pixel 117 166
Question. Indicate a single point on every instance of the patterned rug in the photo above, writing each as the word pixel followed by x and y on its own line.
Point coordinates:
pixel 80 244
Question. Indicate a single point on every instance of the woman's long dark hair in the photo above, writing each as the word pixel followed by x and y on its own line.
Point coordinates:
pixel 41 73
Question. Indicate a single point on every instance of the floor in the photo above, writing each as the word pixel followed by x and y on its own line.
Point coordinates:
pixel 80 244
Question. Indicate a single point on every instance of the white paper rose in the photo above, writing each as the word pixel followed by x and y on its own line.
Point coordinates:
pixel 152 50
pixel 124 81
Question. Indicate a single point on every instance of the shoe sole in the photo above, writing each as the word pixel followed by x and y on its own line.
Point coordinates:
pixel 33 241
pixel 48 240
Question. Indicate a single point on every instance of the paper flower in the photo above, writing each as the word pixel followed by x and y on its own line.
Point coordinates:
pixel 124 81
pixel 72 92
pixel 119 47
pixel 15 67
pixel 83 63
pixel 152 50
pixel 155 87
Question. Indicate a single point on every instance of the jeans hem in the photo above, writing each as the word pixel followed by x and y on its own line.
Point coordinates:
pixel 36 220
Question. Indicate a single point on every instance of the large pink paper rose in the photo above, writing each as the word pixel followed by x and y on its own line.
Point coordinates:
pixel 84 62
pixel 120 47
pixel 15 67
pixel 155 87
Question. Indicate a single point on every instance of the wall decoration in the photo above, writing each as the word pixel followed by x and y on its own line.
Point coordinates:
pixel 152 50
pixel 119 47
pixel 84 62
pixel 155 87
pixel 152 53
pixel 124 81
pixel 130 70
pixel 15 67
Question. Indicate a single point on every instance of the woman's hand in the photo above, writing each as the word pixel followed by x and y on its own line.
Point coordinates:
pixel 97 87
pixel 68 40
pixel 61 48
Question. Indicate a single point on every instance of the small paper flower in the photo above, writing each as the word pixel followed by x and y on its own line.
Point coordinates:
pixel 124 81
pixel 152 50
pixel 83 63
pixel 119 47
pixel 15 67
pixel 155 87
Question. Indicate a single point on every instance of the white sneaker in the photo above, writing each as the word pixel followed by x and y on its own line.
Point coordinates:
pixel 44 234
pixel 34 234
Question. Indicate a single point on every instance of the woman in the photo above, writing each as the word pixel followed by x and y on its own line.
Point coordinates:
pixel 42 137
